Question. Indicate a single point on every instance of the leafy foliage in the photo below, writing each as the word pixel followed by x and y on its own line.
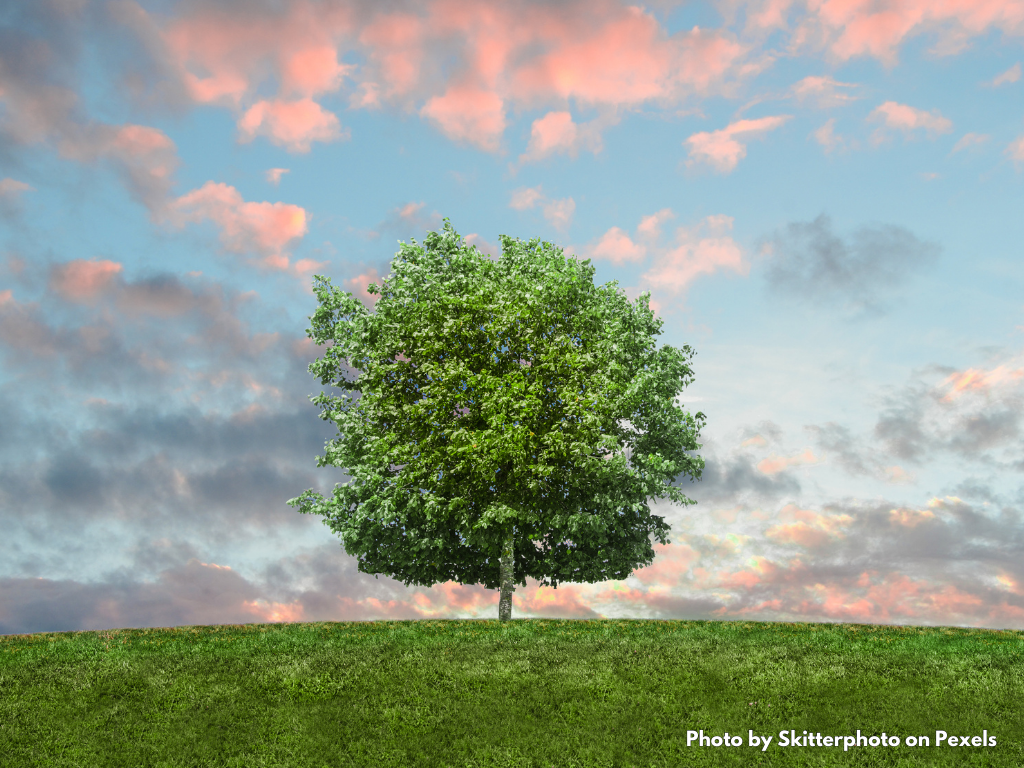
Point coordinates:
pixel 487 397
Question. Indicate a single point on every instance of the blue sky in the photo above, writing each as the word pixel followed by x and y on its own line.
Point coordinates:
pixel 823 198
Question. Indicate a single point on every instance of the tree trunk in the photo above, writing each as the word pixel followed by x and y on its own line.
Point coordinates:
pixel 507 582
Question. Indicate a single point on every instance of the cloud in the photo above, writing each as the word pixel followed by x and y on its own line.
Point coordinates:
pixel 556 132
pixel 827 137
pixel 774 464
pixel 10 192
pixel 969 140
pixel 358 285
pixel 39 108
pixel 723 152
pixel 847 452
pixel 311 70
pixel 761 16
pixel 300 40
pixel 908 119
pixel 11 188
pixel 557 212
pixel 1012 75
pixel 806 528
pixel 616 246
pixel 808 263
pixel 407 221
pixel 758 553
pixel 702 249
pixel 967 413
pixel 523 199
pixel 482 245
pixel 265 228
pixel 274 175
pixel 468 113
pixel 82 280
pixel 878 29
pixel 290 124
pixel 1015 149
pixel 396 45
pixel 823 90
pixel 619 56
pixel 459 63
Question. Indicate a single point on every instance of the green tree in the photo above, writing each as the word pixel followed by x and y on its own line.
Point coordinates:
pixel 501 419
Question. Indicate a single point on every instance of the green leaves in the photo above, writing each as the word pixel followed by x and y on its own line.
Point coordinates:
pixel 482 394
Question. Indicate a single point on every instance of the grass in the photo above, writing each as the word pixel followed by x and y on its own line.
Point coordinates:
pixel 476 694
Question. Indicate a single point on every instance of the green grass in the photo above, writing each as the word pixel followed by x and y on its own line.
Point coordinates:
pixel 530 692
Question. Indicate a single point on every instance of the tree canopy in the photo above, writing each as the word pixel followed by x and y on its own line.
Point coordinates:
pixel 499 418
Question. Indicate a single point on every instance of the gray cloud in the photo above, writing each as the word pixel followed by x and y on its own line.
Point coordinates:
pixel 846 450
pixel 190 592
pixel 925 419
pixel 734 477
pixel 808 263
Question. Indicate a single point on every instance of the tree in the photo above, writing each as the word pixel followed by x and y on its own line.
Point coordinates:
pixel 501 419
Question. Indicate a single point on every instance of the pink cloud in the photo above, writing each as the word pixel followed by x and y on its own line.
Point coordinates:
pixel 759 571
pixel 557 212
pixel 409 210
pixel 616 246
pixel 807 528
pixel 723 152
pixel 145 156
pixel 907 118
pixel 464 60
pixel 671 564
pixel 1015 150
pixel 703 248
pixel 81 280
pixel 291 124
pixel 274 175
pixel 482 245
pixel 1012 75
pixel 694 254
pixel 245 226
pixel 556 132
pixel 650 226
pixel 975 379
pixel 12 187
pixel 312 70
pixel 969 140
pixel 855 27
pixel 469 114
pixel 823 90
pixel 621 56
pixel 305 268
pixel 358 285
pixel 492 31
pixel 910 518
pixel 775 464
pixel 523 199
pixel 232 50
pixel 895 596
pixel 769 14
pixel 827 137
pixel 396 47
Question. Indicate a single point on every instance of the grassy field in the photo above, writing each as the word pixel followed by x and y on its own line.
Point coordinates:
pixel 530 692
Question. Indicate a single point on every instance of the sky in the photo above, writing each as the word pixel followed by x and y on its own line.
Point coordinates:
pixel 823 197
